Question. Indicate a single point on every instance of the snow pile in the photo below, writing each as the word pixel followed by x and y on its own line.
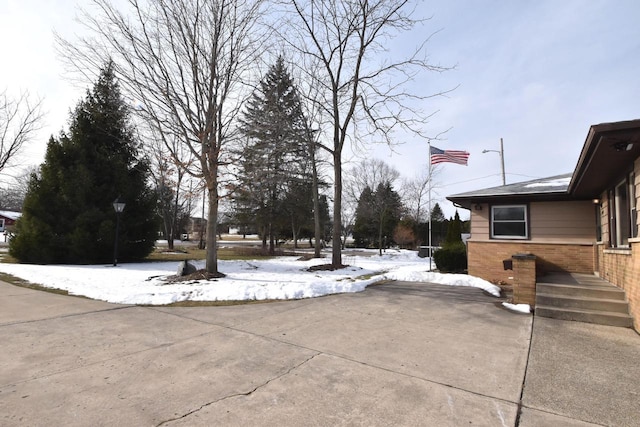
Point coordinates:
pixel 520 308
pixel 279 278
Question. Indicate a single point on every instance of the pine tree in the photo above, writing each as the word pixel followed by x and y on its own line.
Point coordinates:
pixel 364 231
pixel 439 226
pixel 388 209
pixel 377 215
pixel 454 231
pixel 68 215
pixel 275 160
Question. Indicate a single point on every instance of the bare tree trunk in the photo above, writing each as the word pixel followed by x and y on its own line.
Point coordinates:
pixel 336 254
pixel 272 249
pixel 212 233
pixel 294 233
pixel 316 205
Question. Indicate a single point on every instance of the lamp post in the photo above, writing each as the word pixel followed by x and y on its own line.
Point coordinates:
pixel 501 152
pixel 118 206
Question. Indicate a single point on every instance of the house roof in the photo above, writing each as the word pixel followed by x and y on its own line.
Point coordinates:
pixel 608 152
pixel 551 188
pixel 10 215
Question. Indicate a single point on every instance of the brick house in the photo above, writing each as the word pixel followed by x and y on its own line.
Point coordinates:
pixel 581 222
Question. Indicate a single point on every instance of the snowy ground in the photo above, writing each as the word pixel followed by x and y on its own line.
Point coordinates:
pixel 280 278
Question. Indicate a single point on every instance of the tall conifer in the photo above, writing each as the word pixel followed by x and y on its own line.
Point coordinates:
pixel 275 160
pixel 68 215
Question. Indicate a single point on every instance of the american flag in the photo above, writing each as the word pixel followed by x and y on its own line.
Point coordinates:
pixel 451 156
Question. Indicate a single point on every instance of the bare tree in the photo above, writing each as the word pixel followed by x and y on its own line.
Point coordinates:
pixel 415 194
pixel 186 63
pixel 175 194
pixel 363 91
pixel 368 173
pixel 314 117
pixel 12 196
pixel 20 119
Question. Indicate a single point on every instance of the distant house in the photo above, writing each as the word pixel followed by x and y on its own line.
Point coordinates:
pixel 581 222
pixel 194 228
pixel 7 219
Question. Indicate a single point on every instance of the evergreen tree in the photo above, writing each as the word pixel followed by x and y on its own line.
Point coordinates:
pixel 388 211
pixel 439 227
pixel 377 215
pixel 454 231
pixel 364 231
pixel 436 214
pixel 452 257
pixel 275 159
pixel 68 216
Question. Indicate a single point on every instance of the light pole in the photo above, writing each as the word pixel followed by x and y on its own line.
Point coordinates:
pixel 501 152
pixel 118 206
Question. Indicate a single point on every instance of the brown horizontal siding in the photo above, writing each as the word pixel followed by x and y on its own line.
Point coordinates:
pixel 569 218
pixel 573 221
pixel 480 222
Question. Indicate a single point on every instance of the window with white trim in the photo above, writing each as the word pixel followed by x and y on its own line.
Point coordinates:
pixel 509 222
pixel 1 224
pixel 622 213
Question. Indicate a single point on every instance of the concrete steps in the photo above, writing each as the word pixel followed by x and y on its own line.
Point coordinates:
pixel 583 298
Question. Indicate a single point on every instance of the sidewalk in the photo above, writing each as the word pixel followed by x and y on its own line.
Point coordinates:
pixel 581 374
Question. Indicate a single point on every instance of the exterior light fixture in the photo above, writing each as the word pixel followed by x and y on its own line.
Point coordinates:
pixel 118 206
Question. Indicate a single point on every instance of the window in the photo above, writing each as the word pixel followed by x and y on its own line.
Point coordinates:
pixel 622 213
pixel 509 222
pixel 1 224
pixel 598 222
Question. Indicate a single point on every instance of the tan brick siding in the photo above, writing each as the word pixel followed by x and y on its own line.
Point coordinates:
pixel 524 286
pixel 622 268
pixel 485 258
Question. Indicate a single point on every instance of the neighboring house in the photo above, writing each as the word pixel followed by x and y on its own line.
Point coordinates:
pixel 7 219
pixel 195 226
pixel 584 222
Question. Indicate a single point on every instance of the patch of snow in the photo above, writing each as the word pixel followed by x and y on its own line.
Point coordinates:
pixel 560 182
pixel 279 278
pixel 520 308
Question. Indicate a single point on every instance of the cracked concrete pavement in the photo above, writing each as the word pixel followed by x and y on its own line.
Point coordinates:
pixel 395 354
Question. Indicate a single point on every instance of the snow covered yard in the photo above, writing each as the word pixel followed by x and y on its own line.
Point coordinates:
pixel 278 278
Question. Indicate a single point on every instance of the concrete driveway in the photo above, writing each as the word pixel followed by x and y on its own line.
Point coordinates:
pixel 395 354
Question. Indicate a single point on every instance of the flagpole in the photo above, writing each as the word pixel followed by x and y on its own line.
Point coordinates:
pixel 430 183
pixel 459 157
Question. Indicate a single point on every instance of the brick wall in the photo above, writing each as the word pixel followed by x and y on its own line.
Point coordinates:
pixel 622 268
pixel 524 274
pixel 485 258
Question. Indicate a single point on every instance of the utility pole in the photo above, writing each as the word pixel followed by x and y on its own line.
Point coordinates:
pixel 501 152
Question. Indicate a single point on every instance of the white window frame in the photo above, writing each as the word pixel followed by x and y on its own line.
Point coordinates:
pixel 510 237
pixel 1 224
pixel 622 213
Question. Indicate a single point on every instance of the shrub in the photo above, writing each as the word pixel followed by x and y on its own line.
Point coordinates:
pixel 452 258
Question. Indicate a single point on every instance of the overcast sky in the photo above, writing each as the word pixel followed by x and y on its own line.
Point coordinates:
pixel 535 73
